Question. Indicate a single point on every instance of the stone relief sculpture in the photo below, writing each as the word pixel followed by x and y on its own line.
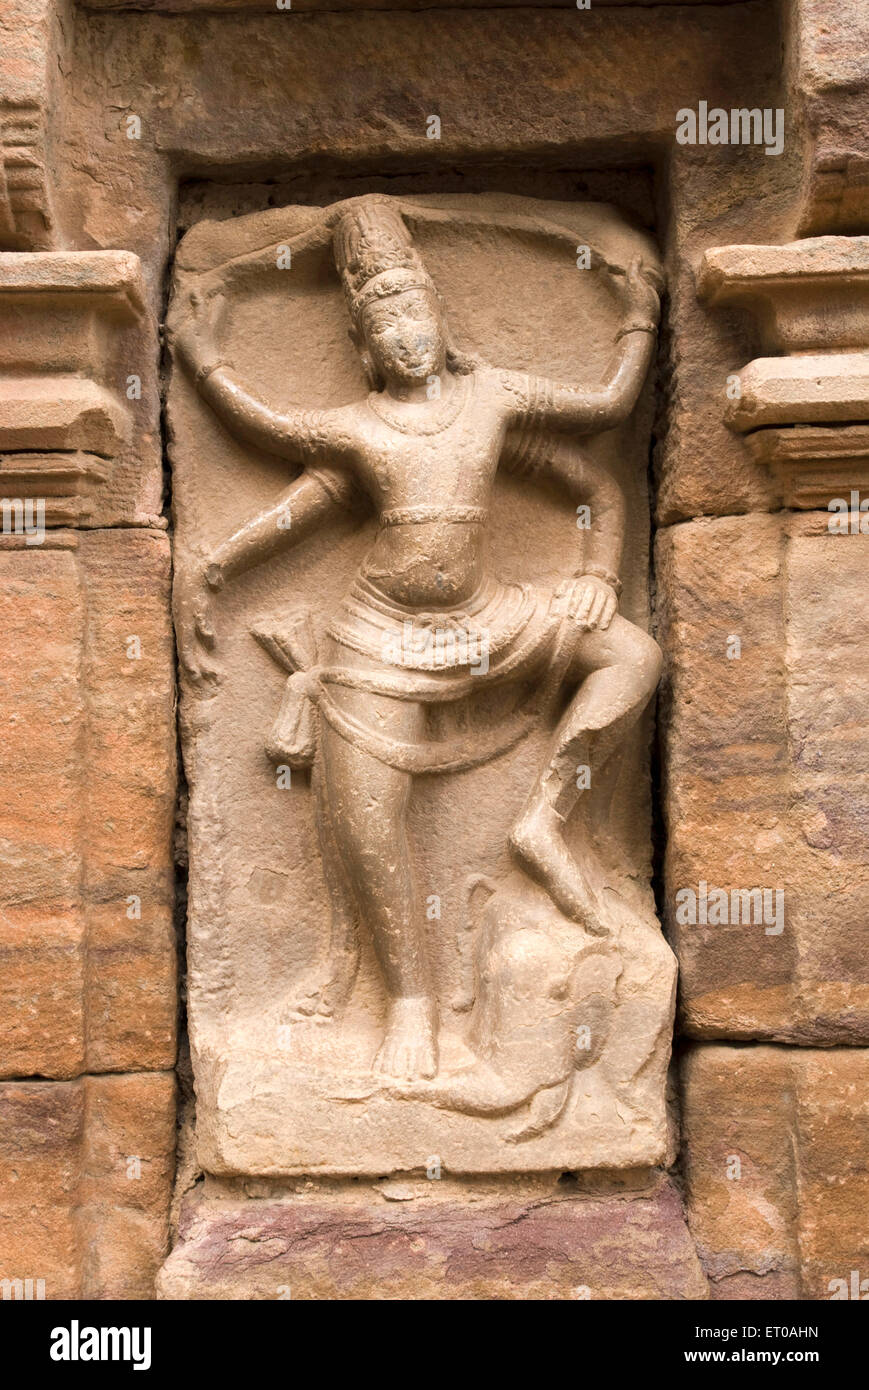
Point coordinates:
pixel 429 666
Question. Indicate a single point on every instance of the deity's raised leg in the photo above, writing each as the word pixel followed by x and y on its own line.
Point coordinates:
pixel 619 670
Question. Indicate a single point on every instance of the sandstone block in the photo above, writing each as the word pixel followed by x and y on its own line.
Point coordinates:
pixel 763 623
pixel 811 389
pixel 408 1244
pixel 32 53
pixel 806 295
pixel 86 808
pixel 85 1182
pixel 775 1141
pixel 815 463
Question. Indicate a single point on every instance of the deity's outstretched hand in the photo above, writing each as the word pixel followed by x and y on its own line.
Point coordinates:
pixel 640 290
pixel 194 329
pixel 194 625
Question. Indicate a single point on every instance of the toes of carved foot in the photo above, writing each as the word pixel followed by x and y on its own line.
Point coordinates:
pixel 405 1064
pixel 313 1004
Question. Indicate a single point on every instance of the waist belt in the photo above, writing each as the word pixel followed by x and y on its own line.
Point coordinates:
pixel 412 516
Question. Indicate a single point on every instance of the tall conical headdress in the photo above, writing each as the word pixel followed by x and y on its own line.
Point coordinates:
pixel 374 253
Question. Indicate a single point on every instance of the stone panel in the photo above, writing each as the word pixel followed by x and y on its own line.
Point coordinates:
pixel 292 1044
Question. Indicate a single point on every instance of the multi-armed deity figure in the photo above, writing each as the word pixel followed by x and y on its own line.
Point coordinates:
pixel 424 446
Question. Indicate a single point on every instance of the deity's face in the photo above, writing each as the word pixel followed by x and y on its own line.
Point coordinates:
pixel 404 334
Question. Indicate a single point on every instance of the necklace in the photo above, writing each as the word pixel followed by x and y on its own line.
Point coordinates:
pixel 432 419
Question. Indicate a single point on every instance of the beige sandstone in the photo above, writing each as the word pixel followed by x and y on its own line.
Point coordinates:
pixel 499 905
pixel 79 395
pixel 826 68
pixel 33 40
pixel 814 464
pixel 811 389
pixel 802 413
pixel 806 295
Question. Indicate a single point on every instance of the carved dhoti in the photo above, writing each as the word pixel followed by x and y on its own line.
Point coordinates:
pixel 504 633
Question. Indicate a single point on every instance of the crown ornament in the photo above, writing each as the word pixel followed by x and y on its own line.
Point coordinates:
pixel 375 254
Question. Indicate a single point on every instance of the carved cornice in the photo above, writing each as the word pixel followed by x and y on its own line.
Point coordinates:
pixel 106 280
pixel 813 463
pixel 65 481
pixel 806 296
pixel 33 39
pixel 63 418
pixel 805 412
pixel 26 215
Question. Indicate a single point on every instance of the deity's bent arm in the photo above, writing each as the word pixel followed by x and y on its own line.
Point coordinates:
pixel 295 513
pixel 555 405
pixel 587 481
pixel 571 469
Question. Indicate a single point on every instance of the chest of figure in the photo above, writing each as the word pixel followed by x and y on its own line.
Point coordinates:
pixel 407 463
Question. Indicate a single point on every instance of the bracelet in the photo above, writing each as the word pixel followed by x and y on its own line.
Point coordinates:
pixel 207 368
pixel 598 572
pixel 214 576
pixel 639 326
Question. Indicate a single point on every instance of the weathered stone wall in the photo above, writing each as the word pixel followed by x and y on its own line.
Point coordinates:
pixel 122 126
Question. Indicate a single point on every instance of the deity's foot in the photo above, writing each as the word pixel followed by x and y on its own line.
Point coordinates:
pixel 321 993
pixel 538 839
pixel 409 1048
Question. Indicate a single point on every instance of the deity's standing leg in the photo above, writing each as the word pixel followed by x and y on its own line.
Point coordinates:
pixel 328 988
pixel 619 670
pixel 368 809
